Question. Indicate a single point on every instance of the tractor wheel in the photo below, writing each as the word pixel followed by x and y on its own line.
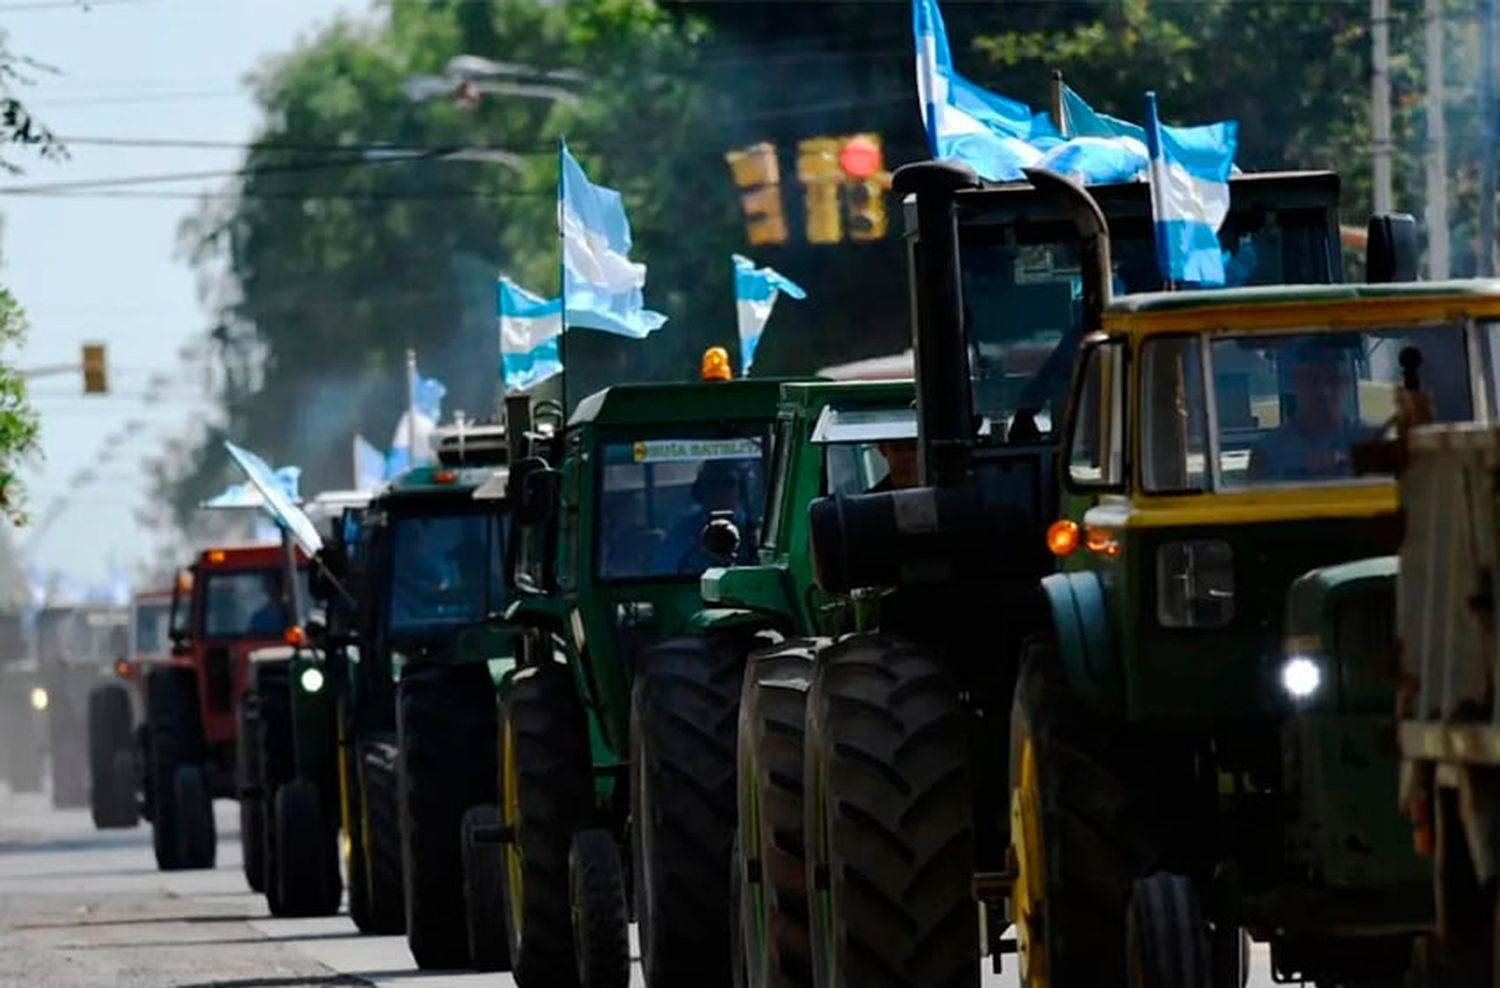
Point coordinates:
pixel 380 826
pixel 889 820
pixel 546 796
pixel 1166 940
pixel 445 716
pixel 274 763
pixel 772 865
pixel 197 841
pixel 1090 812
pixel 247 783
pixel 109 733
pixel 484 891
pixel 601 922
pixel 683 715
pixel 173 740
pixel 307 861
pixel 353 844
pixel 127 775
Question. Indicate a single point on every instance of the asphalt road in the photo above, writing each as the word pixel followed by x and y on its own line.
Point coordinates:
pixel 80 907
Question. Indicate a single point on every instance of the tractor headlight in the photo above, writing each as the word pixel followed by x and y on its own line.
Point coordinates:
pixel 1301 677
pixel 311 679
pixel 1195 584
pixel 39 698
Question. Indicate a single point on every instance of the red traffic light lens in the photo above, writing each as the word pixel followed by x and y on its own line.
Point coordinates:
pixel 860 158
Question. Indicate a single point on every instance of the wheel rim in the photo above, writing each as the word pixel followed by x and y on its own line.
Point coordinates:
pixel 510 808
pixel 1027 892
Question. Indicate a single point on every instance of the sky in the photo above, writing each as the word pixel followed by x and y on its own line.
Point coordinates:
pixel 90 269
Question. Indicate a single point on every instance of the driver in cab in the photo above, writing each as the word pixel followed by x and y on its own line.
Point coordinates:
pixel 718 487
pixel 1314 439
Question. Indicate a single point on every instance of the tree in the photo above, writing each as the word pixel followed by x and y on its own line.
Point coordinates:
pixel 18 420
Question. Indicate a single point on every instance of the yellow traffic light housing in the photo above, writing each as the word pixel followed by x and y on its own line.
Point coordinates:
pixel 819 172
pixel 95 376
pixel 758 176
pixel 867 219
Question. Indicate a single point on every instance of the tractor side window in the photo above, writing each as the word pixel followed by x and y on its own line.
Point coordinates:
pixel 1173 455
pixel 781 452
pixel 1096 450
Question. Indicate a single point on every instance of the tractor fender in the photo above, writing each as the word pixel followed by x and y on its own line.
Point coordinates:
pixel 1085 645
pixel 725 618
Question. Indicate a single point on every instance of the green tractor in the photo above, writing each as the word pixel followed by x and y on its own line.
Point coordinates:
pixel 851 438
pixel 420 650
pixel 907 810
pixel 618 727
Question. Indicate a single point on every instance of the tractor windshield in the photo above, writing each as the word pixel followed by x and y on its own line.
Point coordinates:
pixel 1284 409
pixel 656 496
pixel 868 450
pixel 445 571
pixel 1023 295
pixel 247 603
pixel 151 631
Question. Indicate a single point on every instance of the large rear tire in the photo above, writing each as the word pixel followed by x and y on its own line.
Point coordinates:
pixel 197 841
pixel 275 764
pixel 307 862
pixel 546 796
pixel 1090 809
pixel 1165 936
pixel 111 804
pixel 381 830
pixel 252 805
pixel 683 717
pixel 445 716
pixel 773 860
pixel 889 820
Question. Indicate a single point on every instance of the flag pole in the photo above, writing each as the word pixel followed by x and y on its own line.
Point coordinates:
pixel 1055 102
pixel 562 273
pixel 411 408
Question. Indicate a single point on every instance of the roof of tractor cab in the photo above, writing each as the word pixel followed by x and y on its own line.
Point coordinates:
pixel 1276 307
pixel 681 402
pixel 815 395
pixel 434 482
pixel 244 556
pixel 1008 202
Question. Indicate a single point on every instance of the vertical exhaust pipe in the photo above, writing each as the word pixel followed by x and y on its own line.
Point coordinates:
pixel 945 417
pixel 1093 232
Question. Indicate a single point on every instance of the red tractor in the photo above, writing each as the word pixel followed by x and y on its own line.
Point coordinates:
pixel 231 602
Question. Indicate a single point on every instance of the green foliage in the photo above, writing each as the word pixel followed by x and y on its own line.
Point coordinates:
pixel 18 420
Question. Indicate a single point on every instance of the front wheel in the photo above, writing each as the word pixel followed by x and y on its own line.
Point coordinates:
pixel 1166 941
pixel 197 841
pixel 889 820
pixel 111 803
pixel 601 925
pixel 307 863
pixel 484 891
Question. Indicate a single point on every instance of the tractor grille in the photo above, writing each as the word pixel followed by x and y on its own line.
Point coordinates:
pixel 218 676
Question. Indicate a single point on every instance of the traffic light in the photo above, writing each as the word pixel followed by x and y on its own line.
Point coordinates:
pixel 820 174
pixel 865 185
pixel 758 177
pixel 95 377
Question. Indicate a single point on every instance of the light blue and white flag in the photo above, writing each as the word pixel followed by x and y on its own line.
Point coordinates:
pixel 246 496
pixel 601 284
pixel 275 500
pixel 990 133
pixel 414 428
pixel 369 465
pixel 1190 169
pixel 755 293
pixel 530 336
pixel 1099 149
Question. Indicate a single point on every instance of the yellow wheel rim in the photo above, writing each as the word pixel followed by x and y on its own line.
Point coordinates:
pixel 1027 893
pixel 510 812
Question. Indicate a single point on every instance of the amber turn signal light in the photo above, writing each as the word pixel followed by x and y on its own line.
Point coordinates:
pixel 1062 537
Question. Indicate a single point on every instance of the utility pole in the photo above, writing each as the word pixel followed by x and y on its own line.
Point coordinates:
pixel 1437 143
pixel 1487 110
pixel 1380 99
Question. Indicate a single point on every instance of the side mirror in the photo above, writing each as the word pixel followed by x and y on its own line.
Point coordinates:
pixel 720 538
pixel 1391 250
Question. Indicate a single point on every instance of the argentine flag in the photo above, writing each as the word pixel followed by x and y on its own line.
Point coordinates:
pixel 601 284
pixel 245 496
pixel 1190 169
pixel 530 336
pixel 995 136
pixel 755 293
pixel 277 503
pixel 414 430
